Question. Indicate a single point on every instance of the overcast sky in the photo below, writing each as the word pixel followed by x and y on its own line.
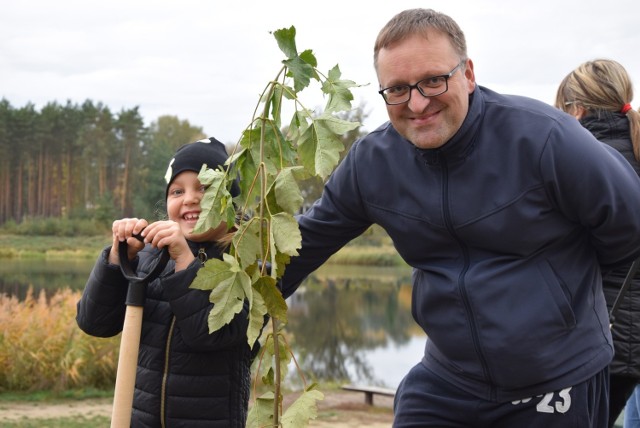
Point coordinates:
pixel 207 61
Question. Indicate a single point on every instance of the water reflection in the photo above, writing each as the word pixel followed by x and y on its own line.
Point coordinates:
pixel 340 316
pixel 346 323
pixel 17 275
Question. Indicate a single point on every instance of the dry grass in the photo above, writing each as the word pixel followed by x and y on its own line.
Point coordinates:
pixel 42 348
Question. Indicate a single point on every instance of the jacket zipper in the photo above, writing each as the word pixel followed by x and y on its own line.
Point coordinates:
pixel 202 256
pixel 165 374
pixel 461 280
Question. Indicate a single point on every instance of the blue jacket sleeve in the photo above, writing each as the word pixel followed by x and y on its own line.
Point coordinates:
pixel 597 188
pixel 329 224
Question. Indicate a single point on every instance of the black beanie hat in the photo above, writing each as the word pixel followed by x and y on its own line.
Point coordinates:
pixel 191 157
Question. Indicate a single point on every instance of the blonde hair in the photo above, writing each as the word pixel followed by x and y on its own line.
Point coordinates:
pixel 597 86
pixel 225 240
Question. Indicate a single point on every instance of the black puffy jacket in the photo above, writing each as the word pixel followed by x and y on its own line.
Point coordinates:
pixel 613 129
pixel 186 377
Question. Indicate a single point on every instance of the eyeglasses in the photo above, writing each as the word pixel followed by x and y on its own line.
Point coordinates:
pixel 429 87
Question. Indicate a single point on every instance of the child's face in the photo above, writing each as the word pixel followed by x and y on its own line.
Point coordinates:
pixel 183 207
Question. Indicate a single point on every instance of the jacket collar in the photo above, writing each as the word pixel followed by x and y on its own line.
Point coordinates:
pixel 607 125
pixel 210 248
pixel 462 142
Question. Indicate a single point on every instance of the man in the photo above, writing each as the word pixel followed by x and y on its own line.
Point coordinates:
pixel 508 211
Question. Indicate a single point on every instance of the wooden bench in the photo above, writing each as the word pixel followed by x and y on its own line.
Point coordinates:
pixel 370 391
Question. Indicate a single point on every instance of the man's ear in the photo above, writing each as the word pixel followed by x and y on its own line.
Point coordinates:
pixel 470 76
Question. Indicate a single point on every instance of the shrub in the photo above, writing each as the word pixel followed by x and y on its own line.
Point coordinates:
pixel 56 226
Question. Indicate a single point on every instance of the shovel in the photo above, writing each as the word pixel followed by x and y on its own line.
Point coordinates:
pixel 130 340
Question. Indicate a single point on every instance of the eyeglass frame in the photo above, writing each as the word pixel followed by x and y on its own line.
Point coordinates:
pixel 446 77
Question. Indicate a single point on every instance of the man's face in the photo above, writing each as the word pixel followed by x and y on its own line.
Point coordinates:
pixel 428 122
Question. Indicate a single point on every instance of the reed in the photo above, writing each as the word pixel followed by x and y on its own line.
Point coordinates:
pixel 42 348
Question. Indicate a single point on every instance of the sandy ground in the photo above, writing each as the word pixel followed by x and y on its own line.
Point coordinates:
pixel 339 409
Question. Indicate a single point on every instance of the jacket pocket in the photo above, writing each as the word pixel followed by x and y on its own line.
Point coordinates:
pixel 557 291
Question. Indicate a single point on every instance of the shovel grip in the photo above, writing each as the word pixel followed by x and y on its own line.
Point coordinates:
pixel 138 285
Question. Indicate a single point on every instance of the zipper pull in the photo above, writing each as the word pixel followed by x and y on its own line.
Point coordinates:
pixel 202 256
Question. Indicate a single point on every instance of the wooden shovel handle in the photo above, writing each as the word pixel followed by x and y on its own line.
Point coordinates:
pixel 131 331
pixel 127 364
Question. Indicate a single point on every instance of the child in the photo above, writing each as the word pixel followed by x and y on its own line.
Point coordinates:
pixel 185 376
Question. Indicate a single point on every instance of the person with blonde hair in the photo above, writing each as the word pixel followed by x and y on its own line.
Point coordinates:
pixel 598 93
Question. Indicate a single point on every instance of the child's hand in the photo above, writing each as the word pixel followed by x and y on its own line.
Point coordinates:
pixel 122 230
pixel 169 234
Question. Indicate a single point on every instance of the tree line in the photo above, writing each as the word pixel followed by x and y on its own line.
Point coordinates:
pixel 83 161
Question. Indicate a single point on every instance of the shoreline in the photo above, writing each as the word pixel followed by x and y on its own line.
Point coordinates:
pixel 338 409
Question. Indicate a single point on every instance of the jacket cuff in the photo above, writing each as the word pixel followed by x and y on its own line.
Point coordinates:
pixel 109 271
pixel 177 284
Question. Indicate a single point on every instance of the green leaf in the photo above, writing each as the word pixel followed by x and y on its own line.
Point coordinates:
pixel 247 242
pixel 319 147
pixel 261 413
pixel 276 152
pixel 265 370
pixel 268 361
pixel 269 377
pixel 329 145
pixel 211 274
pixel 236 268
pixel 273 252
pixel 328 153
pixel 301 72
pixel 234 158
pixel 281 260
pixel 288 195
pixel 279 151
pixel 340 96
pixel 285 233
pixel 307 147
pixel 286 41
pixel 298 125
pixel 308 57
pixel 302 410
pixel 247 165
pixel 216 200
pixel 272 297
pixel 256 318
pixel 334 124
pixel 228 297
pixel 275 102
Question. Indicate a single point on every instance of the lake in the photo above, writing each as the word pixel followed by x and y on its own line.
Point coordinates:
pixel 346 323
